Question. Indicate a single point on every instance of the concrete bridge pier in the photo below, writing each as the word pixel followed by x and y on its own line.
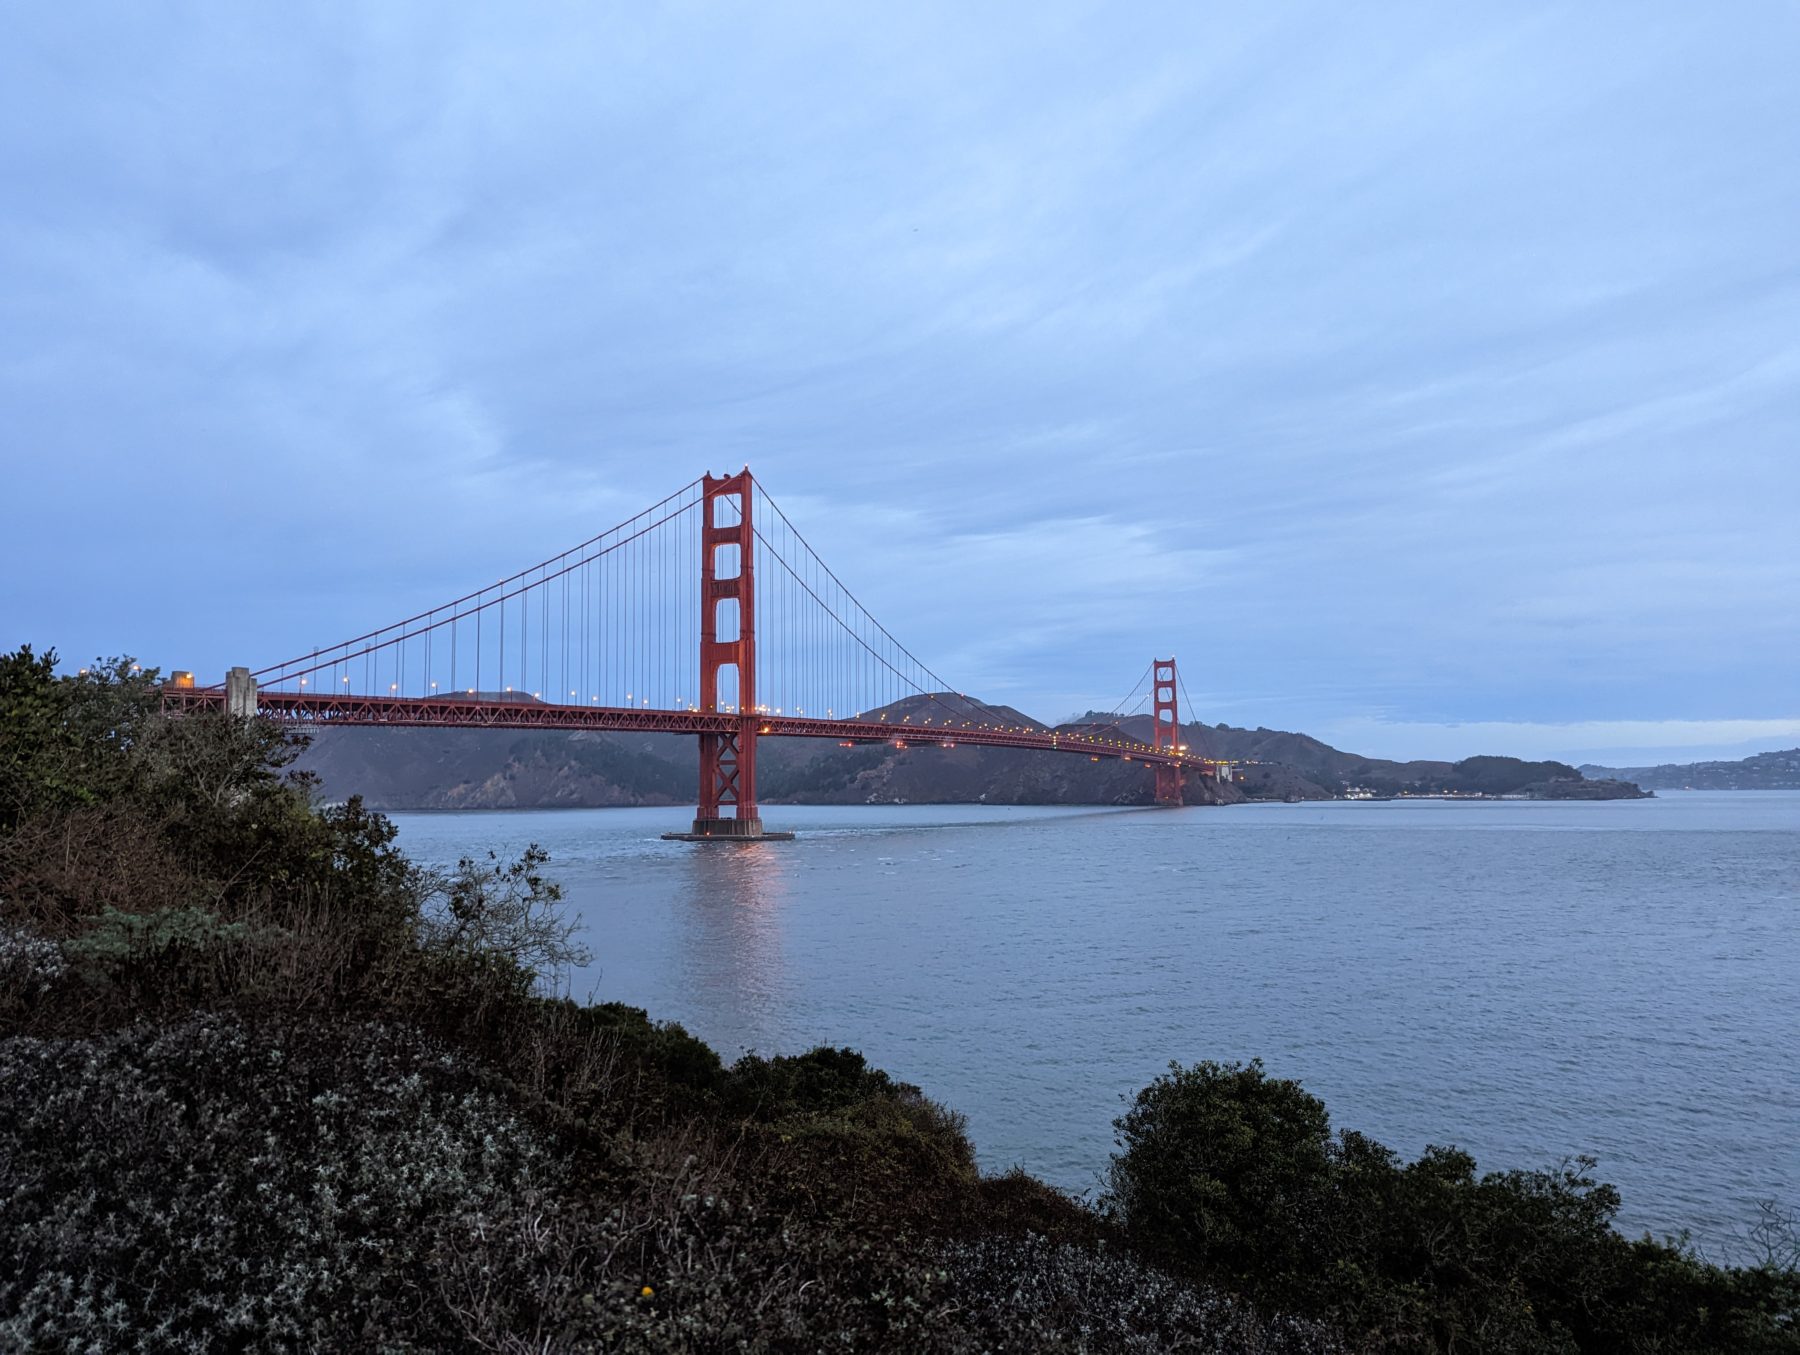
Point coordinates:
pixel 240 694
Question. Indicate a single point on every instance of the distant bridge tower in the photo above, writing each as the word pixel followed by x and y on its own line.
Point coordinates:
pixel 1166 731
pixel 728 641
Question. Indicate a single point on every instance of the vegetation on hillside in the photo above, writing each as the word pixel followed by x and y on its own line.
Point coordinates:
pixel 1287 764
pixel 492 769
pixel 499 769
pixel 1778 769
pixel 266 1084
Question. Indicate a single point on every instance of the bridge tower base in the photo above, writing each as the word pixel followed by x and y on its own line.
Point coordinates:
pixel 729 830
pixel 728 591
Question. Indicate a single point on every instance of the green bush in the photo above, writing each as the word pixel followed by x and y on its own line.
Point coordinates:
pixel 821 1081
pixel 1221 1164
pixel 1228 1175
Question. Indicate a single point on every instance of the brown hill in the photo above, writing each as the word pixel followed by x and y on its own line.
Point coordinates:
pixel 496 769
pixel 1281 763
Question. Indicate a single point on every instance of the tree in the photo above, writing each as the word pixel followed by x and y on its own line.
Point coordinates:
pixel 1221 1168
pixel 508 911
pixel 67 741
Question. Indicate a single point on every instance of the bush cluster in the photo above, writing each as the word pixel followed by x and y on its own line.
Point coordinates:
pixel 1226 1172
pixel 212 1182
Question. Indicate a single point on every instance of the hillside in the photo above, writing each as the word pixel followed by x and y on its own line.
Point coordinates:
pixel 1280 764
pixel 424 769
pixel 505 769
pixel 1779 770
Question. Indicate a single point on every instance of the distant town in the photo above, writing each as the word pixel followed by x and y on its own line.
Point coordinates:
pixel 1778 770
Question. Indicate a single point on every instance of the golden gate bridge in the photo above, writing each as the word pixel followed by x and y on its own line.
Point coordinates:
pixel 706 614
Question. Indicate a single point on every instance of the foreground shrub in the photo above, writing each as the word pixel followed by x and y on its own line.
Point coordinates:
pixel 217 1185
pixel 1228 1174
pixel 1029 1293
pixel 1223 1164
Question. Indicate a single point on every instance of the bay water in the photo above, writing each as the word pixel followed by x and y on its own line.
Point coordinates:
pixel 1528 981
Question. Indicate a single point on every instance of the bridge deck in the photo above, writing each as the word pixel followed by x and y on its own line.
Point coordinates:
pixel 310 709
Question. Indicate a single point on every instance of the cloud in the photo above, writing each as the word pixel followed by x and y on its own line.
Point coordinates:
pixel 1431 367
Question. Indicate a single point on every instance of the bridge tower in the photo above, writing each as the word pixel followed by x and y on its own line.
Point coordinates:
pixel 728 641
pixel 1166 731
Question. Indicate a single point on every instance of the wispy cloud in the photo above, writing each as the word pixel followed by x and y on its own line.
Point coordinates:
pixel 1433 366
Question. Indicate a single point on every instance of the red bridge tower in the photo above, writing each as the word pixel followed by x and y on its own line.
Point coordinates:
pixel 1166 731
pixel 728 641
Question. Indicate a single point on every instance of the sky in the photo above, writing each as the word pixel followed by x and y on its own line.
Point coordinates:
pixel 1424 377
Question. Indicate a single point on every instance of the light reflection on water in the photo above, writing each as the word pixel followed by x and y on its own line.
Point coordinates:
pixel 1526 980
pixel 728 954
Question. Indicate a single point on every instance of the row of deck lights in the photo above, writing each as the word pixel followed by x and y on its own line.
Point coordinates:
pixel 644 703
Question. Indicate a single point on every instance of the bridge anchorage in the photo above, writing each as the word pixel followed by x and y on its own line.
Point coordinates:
pixel 602 638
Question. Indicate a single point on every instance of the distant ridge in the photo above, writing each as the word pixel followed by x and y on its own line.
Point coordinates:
pixel 426 768
pixel 1779 770
pixel 1281 764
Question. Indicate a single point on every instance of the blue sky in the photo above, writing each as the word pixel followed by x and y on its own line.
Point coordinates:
pixel 1424 377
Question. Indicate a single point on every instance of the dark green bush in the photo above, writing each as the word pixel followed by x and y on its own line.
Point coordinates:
pixel 1223 1164
pixel 1226 1174
pixel 822 1081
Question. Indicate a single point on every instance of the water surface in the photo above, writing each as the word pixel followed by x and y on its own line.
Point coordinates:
pixel 1528 981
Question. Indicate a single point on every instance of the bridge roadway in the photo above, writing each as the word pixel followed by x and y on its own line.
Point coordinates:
pixel 310 709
